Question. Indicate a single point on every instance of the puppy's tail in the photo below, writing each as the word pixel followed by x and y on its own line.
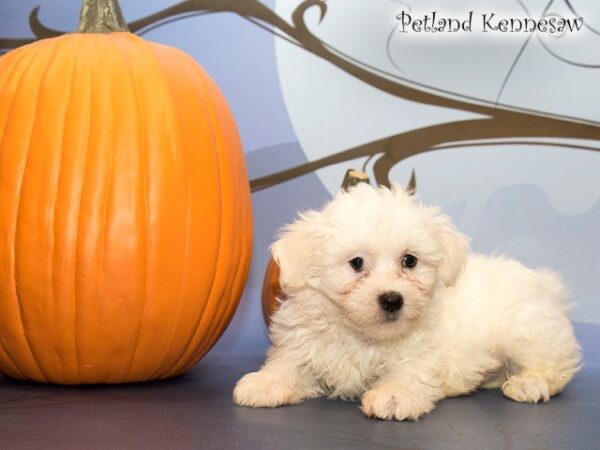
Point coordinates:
pixel 552 287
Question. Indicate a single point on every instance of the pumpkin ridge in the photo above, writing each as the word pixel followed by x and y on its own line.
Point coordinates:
pixel 176 143
pixel 14 94
pixel 19 206
pixel 225 292
pixel 228 315
pixel 91 224
pixel 235 253
pixel 163 363
pixel 57 291
pixel 88 260
pixel 241 273
pixel 141 149
pixel 183 362
pixel 6 75
pixel 221 147
pixel 77 355
pixel 6 80
pixel 219 312
pixel 241 249
pixel 243 257
pixel 109 183
pixel 228 284
pixel 141 161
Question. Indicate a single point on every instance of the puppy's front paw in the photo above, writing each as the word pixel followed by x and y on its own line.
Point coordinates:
pixel 387 403
pixel 526 387
pixel 262 390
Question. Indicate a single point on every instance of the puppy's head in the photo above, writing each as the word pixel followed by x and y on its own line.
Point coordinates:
pixel 376 253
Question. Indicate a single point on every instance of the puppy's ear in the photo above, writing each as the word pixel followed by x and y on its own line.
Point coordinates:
pixel 455 247
pixel 296 252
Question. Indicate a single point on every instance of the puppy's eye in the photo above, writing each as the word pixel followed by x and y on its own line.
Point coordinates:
pixel 357 263
pixel 409 261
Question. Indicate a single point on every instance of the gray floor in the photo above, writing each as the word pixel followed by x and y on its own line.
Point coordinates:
pixel 195 411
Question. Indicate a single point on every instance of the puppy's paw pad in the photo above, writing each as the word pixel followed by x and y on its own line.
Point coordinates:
pixel 389 404
pixel 530 388
pixel 260 390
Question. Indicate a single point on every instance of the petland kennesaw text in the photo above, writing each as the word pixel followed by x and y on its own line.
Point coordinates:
pixel 434 23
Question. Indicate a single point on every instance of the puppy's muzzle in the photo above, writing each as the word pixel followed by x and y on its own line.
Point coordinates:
pixel 390 302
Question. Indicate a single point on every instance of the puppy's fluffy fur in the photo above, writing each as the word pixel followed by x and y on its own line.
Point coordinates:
pixel 466 320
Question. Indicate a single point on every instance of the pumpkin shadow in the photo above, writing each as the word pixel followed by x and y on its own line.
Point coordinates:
pixel 7 382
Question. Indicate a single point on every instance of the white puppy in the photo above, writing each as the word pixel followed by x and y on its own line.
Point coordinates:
pixel 385 304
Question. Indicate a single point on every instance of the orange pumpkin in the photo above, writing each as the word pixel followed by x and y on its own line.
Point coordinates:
pixel 125 214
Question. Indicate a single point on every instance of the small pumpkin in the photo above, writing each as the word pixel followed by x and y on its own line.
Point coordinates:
pixel 125 214
pixel 271 291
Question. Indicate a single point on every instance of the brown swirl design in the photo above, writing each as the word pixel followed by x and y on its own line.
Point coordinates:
pixel 498 122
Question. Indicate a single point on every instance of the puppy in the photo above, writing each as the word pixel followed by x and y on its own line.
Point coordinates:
pixel 386 305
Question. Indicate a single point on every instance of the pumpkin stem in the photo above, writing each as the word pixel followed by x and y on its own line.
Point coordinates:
pixel 101 16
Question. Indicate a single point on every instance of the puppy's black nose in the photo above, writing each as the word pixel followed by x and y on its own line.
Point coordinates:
pixel 390 301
